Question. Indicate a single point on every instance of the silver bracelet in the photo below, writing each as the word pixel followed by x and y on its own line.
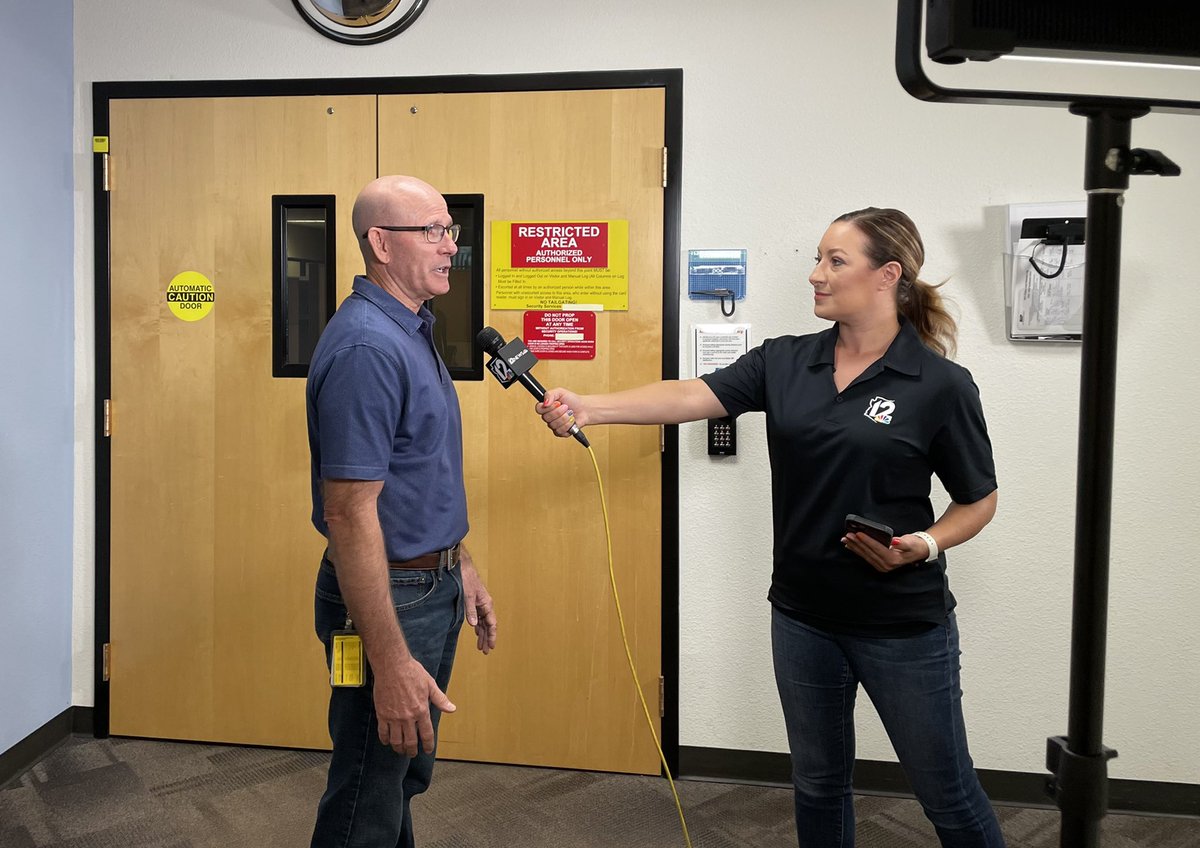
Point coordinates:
pixel 929 540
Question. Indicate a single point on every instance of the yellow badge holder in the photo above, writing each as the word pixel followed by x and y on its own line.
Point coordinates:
pixel 348 664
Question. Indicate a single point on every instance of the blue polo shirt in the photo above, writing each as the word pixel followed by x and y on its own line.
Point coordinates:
pixel 870 449
pixel 382 406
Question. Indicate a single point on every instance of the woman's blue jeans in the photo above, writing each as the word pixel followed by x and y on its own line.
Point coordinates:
pixel 914 684
pixel 366 800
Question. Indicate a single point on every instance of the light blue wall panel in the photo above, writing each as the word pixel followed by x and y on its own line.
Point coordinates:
pixel 36 366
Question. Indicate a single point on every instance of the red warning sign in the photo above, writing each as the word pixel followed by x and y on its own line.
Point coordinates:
pixel 560 245
pixel 561 335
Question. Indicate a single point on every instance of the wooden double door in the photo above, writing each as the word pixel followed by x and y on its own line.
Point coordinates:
pixel 212 554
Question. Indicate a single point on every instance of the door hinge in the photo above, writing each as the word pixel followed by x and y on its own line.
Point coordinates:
pixel 107 417
pixel 662 697
pixel 104 170
pixel 664 173
pixel 662 438
pixel 105 668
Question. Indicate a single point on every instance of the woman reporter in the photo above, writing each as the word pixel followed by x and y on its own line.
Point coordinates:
pixel 859 417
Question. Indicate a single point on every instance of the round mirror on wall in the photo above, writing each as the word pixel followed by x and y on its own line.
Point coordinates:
pixel 360 21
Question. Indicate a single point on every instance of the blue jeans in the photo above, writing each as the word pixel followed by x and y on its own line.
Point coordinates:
pixel 914 684
pixel 366 800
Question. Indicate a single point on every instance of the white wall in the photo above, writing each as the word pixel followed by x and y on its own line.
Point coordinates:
pixel 792 115
pixel 36 415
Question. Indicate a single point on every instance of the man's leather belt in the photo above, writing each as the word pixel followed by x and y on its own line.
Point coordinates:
pixel 427 562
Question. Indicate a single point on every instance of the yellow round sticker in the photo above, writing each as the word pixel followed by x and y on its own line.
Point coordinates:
pixel 190 295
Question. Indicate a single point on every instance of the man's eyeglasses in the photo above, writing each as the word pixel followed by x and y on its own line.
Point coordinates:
pixel 433 232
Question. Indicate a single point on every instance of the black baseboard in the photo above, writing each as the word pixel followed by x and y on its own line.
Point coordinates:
pixel 872 777
pixel 83 721
pixel 17 759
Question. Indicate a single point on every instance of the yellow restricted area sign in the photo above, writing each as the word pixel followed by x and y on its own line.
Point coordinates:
pixel 190 295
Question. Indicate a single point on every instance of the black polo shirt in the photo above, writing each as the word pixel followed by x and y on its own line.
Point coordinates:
pixel 869 450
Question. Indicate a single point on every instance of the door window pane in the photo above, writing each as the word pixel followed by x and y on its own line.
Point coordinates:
pixel 304 279
pixel 460 312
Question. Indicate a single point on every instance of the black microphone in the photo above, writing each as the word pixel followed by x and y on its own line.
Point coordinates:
pixel 511 363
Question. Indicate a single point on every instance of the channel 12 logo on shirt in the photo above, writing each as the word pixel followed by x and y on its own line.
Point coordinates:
pixel 880 410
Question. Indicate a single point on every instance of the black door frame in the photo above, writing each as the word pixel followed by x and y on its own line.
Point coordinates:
pixel 669 79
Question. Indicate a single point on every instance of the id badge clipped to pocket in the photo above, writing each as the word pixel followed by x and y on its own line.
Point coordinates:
pixel 348 665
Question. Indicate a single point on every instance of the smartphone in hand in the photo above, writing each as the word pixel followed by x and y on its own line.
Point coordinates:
pixel 881 533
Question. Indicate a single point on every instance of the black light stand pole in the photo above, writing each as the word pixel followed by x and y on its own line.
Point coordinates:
pixel 1080 762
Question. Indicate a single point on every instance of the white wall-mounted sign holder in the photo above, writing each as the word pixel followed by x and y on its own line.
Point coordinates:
pixel 1044 272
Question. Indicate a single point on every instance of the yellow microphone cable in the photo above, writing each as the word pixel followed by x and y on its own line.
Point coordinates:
pixel 629 654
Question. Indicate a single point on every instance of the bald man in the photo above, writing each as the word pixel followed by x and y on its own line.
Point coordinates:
pixel 385 434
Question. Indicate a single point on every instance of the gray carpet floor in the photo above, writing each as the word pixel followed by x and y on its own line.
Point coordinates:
pixel 129 793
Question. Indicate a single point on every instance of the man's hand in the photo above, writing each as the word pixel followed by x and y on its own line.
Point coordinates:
pixel 480 612
pixel 403 693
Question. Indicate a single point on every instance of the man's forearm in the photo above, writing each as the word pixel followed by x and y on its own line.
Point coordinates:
pixel 357 551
